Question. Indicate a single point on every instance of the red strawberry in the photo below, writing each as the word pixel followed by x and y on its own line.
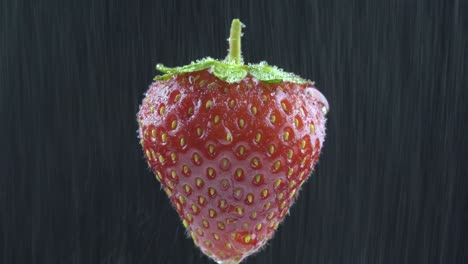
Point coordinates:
pixel 231 145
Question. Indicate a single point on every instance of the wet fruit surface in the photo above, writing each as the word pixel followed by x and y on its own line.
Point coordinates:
pixel 231 156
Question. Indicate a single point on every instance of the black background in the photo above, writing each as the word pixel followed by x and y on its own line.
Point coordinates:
pixel 391 184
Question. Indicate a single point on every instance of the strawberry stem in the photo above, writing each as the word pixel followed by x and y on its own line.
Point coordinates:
pixel 235 55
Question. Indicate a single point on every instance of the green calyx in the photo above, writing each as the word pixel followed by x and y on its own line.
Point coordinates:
pixel 232 69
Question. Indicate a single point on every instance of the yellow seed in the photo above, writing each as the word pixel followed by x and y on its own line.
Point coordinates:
pixel 161 159
pixel 199 182
pixel 301 176
pixel 292 183
pixel 286 136
pixel 229 245
pixel 187 189
pixel 158 176
pixel 208 104
pixel 258 137
pixel 168 192
pixel 199 231
pixel 277 183
pixel 254 110
pixel 178 207
pixel 271 149
pixel 216 119
pixel 255 162
pixel 283 205
pixel 228 137
pixel 312 128
pixel 290 154
pixel 174 124
pixel 225 183
pixel 225 163
pixel 211 148
pixel 303 161
pixel 185 169
pixel 296 122
pixel 194 237
pixel 232 103
pixel 290 172
pixel 196 158
pixel 212 213
pixel 212 191
pixel 148 154
pixel 201 200
pixel 190 111
pixel 222 203
pixel 241 150
pixel 162 110
pixel 216 236
pixel 152 109
pixel 184 222
pixel 205 223
pixel 239 173
pixel 283 105
pixel 249 198
pixel 220 225
pixel 195 208
pixel 189 217
pixel 240 210
pixel 267 206
pixel 303 144
pixel 271 215
pixel 241 123
pixel 265 193
pixel 208 244
pixel 173 156
pixel 254 214
pixel 177 98
pixel 277 165
pixel 182 141
pixel 199 131
pixel 273 119
pixel 280 196
pixel 259 227
pixel 210 172
pixel 182 199
pixel 276 226
pixel 153 133
pixel 293 192
pixel 247 239
pixel 257 178
pixel 164 137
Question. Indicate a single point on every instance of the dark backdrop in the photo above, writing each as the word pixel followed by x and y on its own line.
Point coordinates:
pixel 391 185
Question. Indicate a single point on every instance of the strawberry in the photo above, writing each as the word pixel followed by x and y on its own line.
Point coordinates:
pixel 231 144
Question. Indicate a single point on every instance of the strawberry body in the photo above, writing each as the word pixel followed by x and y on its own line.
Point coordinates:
pixel 231 156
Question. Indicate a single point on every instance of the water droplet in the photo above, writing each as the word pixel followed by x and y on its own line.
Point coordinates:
pixel 324 110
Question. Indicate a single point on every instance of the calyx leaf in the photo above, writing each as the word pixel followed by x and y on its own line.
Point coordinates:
pixel 232 72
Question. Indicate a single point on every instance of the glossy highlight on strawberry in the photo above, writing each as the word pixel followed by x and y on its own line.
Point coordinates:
pixel 231 154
